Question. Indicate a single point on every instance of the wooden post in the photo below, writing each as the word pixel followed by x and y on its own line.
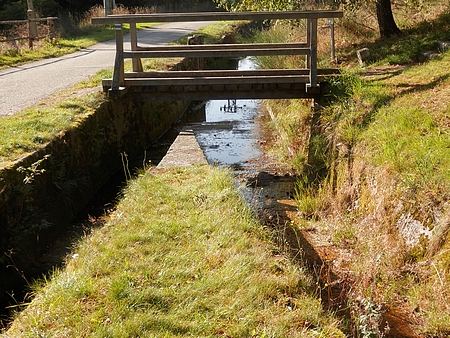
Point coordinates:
pixel 196 63
pixel 108 6
pixel 32 27
pixel 333 54
pixel 137 63
pixel 308 43
pixel 312 23
pixel 51 29
pixel 119 71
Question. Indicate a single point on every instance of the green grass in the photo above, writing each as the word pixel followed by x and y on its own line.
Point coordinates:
pixel 34 127
pixel 62 46
pixel 213 32
pixel 181 256
pixel 381 136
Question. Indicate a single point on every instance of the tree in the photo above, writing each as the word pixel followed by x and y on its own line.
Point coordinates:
pixel 386 23
pixel 385 18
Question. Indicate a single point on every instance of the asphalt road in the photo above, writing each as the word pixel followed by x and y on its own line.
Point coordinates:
pixel 27 85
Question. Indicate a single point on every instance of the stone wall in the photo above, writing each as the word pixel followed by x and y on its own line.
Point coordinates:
pixel 76 165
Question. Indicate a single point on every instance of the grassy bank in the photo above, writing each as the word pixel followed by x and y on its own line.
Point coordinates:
pixel 374 158
pixel 181 256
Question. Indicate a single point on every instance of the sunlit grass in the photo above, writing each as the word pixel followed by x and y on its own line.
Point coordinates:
pixel 214 31
pixel 382 134
pixel 33 128
pixel 181 256
pixel 58 47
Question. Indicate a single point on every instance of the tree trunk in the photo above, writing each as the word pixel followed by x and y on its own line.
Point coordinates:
pixel 386 22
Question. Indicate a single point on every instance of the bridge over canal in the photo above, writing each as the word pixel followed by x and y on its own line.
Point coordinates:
pixel 217 84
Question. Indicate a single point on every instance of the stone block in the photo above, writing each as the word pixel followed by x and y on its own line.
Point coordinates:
pixel 443 46
pixel 363 56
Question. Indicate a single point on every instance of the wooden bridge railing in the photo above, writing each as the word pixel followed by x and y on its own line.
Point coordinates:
pixel 122 80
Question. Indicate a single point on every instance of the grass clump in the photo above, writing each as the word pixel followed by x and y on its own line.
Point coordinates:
pixel 181 256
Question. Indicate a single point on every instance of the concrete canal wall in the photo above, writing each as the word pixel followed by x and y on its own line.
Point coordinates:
pixel 68 171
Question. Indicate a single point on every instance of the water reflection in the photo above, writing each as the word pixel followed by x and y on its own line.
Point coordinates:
pixel 228 135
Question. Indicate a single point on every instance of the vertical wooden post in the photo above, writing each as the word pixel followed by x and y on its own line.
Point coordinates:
pixel 333 54
pixel 313 54
pixel 308 43
pixel 51 29
pixel 196 63
pixel 118 79
pixel 32 28
pixel 137 64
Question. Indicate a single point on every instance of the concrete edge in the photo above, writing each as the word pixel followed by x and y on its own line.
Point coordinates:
pixel 184 151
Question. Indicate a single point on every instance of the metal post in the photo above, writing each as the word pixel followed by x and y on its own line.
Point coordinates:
pixel 109 5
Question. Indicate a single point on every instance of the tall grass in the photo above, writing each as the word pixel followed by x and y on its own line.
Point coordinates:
pixel 181 256
pixel 382 135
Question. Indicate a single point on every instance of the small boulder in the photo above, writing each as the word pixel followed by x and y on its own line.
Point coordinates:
pixel 363 56
pixel 430 54
pixel 443 46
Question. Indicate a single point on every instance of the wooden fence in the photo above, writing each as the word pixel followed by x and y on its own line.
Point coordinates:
pixel 32 30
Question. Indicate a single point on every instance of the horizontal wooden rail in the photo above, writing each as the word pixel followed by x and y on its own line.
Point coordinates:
pixel 215 16
pixel 213 80
pixel 223 46
pixel 216 52
pixel 228 73
pixel 16 22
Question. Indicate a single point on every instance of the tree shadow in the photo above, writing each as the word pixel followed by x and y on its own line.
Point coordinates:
pixel 407 47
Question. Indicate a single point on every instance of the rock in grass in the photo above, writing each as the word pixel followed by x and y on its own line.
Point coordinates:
pixel 363 56
pixel 443 46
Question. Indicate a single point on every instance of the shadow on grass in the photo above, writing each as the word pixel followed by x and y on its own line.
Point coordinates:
pixel 407 47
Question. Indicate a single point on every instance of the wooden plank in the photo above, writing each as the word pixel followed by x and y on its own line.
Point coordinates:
pixel 186 81
pixel 136 62
pixel 215 16
pixel 226 73
pixel 223 93
pixel 238 52
pixel 223 46
pixel 209 80
pixel 119 73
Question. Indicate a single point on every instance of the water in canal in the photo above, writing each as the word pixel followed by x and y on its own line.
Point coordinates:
pixel 227 135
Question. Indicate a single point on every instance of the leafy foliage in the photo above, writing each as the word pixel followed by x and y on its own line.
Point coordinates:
pixel 262 5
